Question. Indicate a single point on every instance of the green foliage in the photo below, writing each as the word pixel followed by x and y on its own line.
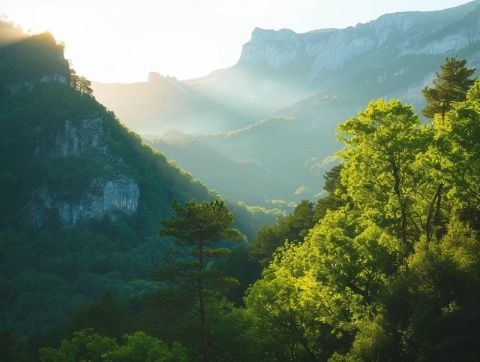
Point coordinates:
pixel 87 345
pixel 79 83
pixel 294 227
pixel 84 345
pixel 393 273
pixel 382 171
pixel 105 316
pixel 242 266
pixel 383 268
pixel 312 294
pixel 431 308
pixel 457 145
pixel 197 227
pixel 450 86
pixel 204 223
pixel 140 347
pixel 232 333
pixel 371 344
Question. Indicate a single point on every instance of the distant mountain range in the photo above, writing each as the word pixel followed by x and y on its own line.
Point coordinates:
pixel 318 78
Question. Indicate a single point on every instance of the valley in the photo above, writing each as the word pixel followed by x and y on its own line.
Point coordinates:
pixel 314 80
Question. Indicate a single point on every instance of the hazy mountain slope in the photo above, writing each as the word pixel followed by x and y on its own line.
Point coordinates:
pixel 394 55
pixel 164 103
pixel 217 170
pixel 320 78
pixel 80 195
pixel 317 58
pixel 272 160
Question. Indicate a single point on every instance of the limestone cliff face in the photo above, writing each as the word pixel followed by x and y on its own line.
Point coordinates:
pixel 103 197
pixel 86 136
pixel 401 34
pixel 108 192
pixel 121 194
pixel 275 48
pixel 317 51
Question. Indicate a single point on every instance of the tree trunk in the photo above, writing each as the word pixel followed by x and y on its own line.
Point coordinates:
pixel 403 206
pixel 437 220
pixel 433 217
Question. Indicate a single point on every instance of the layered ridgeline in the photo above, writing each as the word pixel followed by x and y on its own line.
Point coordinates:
pixel 271 163
pixel 318 78
pixel 80 195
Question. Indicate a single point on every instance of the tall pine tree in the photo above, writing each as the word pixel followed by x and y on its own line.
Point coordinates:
pixel 450 86
pixel 198 228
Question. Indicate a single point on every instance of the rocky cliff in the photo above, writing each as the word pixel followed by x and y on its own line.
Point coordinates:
pixel 393 35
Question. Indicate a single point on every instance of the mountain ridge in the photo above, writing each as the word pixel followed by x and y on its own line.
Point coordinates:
pixel 324 45
pixel 319 78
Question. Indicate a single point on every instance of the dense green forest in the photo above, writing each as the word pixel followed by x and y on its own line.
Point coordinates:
pixel 385 267
pixel 61 245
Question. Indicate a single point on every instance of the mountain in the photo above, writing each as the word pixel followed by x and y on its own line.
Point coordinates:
pixel 164 102
pixel 272 157
pixel 319 79
pixel 80 195
pixel 385 57
pixel 10 33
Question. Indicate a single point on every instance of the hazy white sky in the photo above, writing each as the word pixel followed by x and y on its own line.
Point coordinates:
pixel 122 40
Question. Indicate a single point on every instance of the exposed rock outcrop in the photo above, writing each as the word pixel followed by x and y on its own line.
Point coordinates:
pixel 402 34
pixel 107 193
pixel 78 138
pixel 102 198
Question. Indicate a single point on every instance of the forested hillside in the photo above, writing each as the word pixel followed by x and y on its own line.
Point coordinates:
pixel 80 196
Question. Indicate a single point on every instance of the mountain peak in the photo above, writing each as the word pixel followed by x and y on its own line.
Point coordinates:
pixel 262 35
pixel 439 33
pixel 9 32
pixel 155 77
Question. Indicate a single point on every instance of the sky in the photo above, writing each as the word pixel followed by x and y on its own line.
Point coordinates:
pixel 123 40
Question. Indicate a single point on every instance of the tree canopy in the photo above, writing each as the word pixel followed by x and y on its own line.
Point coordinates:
pixel 197 227
pixel 450 85
pixel 385 267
